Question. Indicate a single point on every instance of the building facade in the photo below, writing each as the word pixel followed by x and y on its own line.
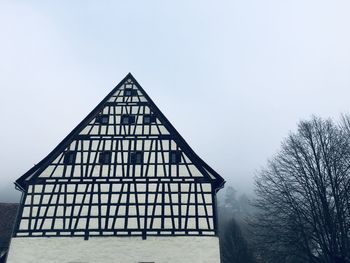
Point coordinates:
pixel 123 186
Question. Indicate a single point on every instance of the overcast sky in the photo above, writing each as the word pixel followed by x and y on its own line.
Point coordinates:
pixel 234 77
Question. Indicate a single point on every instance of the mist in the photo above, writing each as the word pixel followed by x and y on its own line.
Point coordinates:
pixel 233 77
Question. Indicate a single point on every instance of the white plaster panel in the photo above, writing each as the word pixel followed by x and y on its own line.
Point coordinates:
pixel 38 188
pixel 95 171
pixel 191 223
pixel 165 145
pixel 58 171
pixel 93 223
pixel 103 130
pixel 119 223
pixel 183 170
pixel 208 198
pixel 118 110
pixel 206 187
pixel 173 145
pixel 119 171
pixel 153 187
pixel 46 199
pixel 111 99
pixel 203 224
pixel 116 187
pixel 147 110
pixel 147 145
pixel 163 130
pixel 137 169
pixel 160 170
pixel 168 223
pixel 50 211
pixel 173 170
pixel 49 188
pixel 47 172
pixel 160 157
pixel 106 110
pixel 125 144
pixel 151 156
pixel 24 224
pixel 25 212
pixel 68 170
pixel 81 223
pixel 185 187
pixel 36 199
pixel 72 145
pixel 209 210
pixel 111 130
pixel 150 171
pixel 47 223
pixel 94 130
pixel 154 130
pixel 34 211
pixel 143 99
pixel 194 171
pixel 85 130
pixel 186 159
pixel 134 109
pixel 57 160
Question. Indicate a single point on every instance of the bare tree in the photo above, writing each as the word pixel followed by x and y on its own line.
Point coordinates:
pixel 303 196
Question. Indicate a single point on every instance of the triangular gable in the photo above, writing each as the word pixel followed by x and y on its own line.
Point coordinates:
pixel 115 100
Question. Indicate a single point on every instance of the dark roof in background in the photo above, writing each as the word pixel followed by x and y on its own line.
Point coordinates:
pixel 8 212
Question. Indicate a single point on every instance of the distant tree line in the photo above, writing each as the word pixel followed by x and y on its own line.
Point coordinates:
pixel 301 211
pixel 234 230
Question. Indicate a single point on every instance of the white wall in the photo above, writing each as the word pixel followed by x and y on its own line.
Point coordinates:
pixel 114 250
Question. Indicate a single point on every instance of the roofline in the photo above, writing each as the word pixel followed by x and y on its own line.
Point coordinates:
pixel 220 180
pixel 20 182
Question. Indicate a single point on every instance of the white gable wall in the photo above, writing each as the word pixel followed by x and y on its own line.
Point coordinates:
pixel 194 249
pixel 110 199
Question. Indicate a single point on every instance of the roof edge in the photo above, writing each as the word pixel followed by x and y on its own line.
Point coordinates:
pixel 20 182
pixel 32 172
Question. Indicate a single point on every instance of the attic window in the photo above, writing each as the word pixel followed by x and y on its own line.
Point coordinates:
pixel 105 157
pixel 175 157
pixel 136 157
pixel 103 119
pixel 127 119
pixel 148 119
pixel 69 157
pixel 130 92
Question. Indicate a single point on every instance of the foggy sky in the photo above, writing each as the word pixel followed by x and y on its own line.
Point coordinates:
pixel 234 77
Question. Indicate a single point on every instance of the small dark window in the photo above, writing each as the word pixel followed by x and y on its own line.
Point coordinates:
pixel 128 119
pixel 130 92
pixel 148 119
pixel 175 157
pixel 105 157
pixel 69 157
pixel 136 157
pixel 103 119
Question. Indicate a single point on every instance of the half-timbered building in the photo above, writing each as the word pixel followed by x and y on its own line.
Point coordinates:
pixel 123 186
